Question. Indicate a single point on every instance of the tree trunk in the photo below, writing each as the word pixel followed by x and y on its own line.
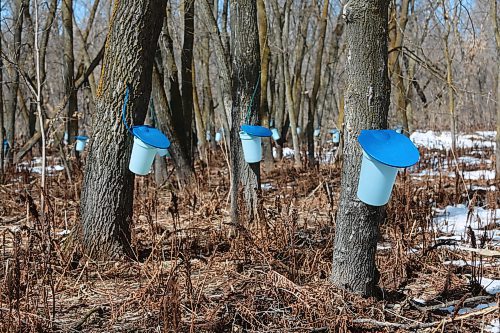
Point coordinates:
pixel 170 111
pixel 494 19
pixel 264 75
pixel 2 132
pixel 184 120
pixel 449 78
pixel 246 96
pixel 69 71
pixel 396 36
pixel 317 80
pixel 11 106
pixel 366 107
pixel 107 196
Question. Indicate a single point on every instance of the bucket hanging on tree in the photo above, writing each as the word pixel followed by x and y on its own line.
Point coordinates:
pixel 251 138
pixel 148 141
pixel 335 135
pixel 384 151
pixel 275 134
pixel 81 142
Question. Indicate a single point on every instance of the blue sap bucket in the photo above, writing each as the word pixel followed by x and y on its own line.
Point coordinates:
pixel 375 181
pixel 251 138
pixel 275 134
pixel 81 142
pixel 218 137
pixel 384 151
pixel 5 146
pixel 317 132
pixel 147 141
pixel 335 135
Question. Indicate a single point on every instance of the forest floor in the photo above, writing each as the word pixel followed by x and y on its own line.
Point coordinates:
pixel 438 252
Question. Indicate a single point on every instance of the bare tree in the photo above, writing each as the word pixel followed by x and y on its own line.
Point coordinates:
pixel 245 59
pixel 494 19
pixel 107 195
pixel 366 107
pixel 11 107
pixel 69 70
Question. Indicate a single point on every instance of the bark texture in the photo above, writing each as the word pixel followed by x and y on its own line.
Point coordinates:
pixel 69 71
pixel 245 56
pixel 366 107
pixel 107 196
pixel 11 107
pixel 170 110
pixel 494 21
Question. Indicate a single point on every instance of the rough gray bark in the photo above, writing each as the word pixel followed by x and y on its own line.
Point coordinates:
pixel 69 71
pixel 2 132
pixel 264 78
pixel 184 120
pixel 221 53
pixel 107 196
pixel 317 79
pixel 366 107
pixel 170 111
pixel 11 107
pixel 245 57
pixel 183 169
pixel 494 21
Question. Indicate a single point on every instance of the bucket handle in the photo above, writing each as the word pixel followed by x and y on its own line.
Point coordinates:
pixel 124 109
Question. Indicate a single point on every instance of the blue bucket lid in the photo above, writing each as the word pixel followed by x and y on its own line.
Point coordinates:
pixel 256 130
pixel 333 131
pixel 81 137
pixel 151 136
pixel 389 147
pixel 5 142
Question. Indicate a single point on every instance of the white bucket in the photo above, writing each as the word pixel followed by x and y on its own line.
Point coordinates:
pixel 208 136
pixel 375 181
pixel 299 130
pixel 276 134
pixel 142 157
pixel 252 149
pixel 317 132
pixel 218 137
pixel 80 144
pixel 335 136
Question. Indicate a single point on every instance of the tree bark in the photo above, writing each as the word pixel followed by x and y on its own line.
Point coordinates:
pixel 245 57
pixel 494 19
pixel 2 131
pixel 366 107
pixel 396 36
pixel 107 195
pixel 264 75
pixel 317 80
pixel 11 107
pixel 170 110
pixel 449 76
pixel 184 120
pixel 69 71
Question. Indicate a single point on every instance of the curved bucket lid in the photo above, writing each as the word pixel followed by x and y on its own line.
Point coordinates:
pixel 256 130
pixel 81 137
pixel 151 136
pixel 389 147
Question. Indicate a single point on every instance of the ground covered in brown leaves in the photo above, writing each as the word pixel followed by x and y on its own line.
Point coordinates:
pixel 192 274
